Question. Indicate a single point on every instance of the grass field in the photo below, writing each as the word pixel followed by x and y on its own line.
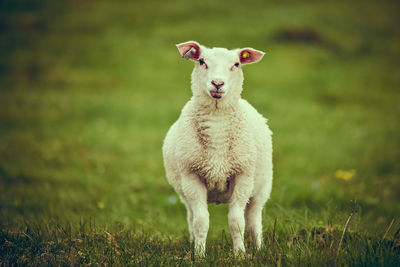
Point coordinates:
pixel 88 90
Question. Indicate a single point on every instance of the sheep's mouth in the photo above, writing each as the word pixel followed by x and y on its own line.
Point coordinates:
pixel 216 94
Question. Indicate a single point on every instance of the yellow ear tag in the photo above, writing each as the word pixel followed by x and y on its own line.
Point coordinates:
pixel 245 54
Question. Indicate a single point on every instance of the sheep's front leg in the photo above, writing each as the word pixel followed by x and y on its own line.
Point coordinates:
pixel 236 226
pixel 189 215
pixel 253 220
pixel 196 198
pixel 237 204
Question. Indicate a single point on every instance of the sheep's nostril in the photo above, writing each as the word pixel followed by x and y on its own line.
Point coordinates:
pixel 217 84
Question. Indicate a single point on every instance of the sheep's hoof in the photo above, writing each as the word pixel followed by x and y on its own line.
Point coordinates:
pixel 239 254
pixel 200 252
pixel 199 255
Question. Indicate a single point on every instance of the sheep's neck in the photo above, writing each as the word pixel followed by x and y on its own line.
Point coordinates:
pixel 208 105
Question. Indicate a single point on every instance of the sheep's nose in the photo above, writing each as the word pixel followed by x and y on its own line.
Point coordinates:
pixel 217 83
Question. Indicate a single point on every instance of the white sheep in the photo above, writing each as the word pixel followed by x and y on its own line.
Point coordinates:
pixel 220 148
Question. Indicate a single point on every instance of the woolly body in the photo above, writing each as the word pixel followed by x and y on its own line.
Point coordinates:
pixel 220 150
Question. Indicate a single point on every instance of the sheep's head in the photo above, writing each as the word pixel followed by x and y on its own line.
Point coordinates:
pixel 218 70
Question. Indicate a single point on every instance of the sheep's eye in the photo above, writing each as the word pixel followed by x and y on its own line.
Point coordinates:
pixel 201 61
pixel 236 65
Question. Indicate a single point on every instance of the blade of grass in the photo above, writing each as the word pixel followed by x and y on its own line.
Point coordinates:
pixel 387 230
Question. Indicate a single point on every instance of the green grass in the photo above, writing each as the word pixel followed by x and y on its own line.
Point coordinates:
pixel 89 89
pixel 57 244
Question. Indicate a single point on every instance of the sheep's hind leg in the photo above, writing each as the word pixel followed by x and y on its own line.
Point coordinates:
pixel 254 220
pixel 196 199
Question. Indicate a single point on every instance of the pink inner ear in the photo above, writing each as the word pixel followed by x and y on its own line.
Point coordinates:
pixel 184 47
pixel 253 56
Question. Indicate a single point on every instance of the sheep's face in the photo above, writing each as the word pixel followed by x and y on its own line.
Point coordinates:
pixel 218 71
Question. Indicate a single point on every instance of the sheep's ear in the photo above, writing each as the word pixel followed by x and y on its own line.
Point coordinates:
pixel 250 55
pixel 189 50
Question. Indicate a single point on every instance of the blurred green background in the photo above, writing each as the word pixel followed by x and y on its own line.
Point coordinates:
pixel 88 90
